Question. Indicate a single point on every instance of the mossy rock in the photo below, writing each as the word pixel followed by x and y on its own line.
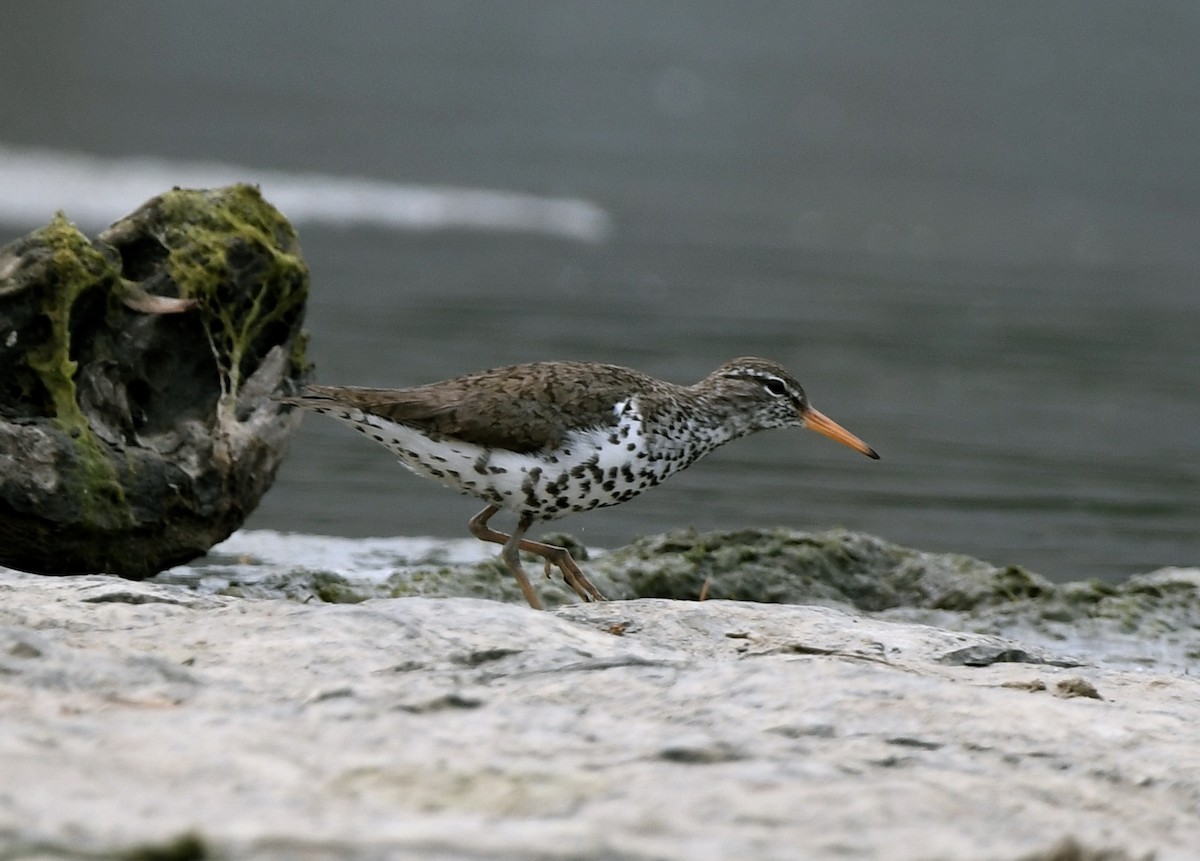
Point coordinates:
pixel 136 427
pixel 793 567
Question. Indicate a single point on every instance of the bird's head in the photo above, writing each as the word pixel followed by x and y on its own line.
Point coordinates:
pixel 771 398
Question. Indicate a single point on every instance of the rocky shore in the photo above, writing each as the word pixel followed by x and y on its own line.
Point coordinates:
pixel 912 706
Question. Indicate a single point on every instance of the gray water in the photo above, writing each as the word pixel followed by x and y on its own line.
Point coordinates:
pixel 970 230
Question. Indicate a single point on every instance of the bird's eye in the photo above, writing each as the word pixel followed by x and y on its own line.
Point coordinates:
pixel 775 386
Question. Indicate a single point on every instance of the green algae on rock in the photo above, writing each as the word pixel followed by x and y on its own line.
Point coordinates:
pixel 135 427
pixel 786 566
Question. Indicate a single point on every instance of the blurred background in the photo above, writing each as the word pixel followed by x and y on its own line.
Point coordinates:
pixel 971 230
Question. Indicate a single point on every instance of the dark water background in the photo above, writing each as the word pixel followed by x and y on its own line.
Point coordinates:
pixel 970 229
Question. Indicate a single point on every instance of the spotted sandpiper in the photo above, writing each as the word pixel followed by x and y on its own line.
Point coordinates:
pixel 551 438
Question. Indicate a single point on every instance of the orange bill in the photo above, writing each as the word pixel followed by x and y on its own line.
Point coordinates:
pixel 822 424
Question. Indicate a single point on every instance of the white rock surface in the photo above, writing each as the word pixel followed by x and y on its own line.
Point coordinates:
pixel 133 713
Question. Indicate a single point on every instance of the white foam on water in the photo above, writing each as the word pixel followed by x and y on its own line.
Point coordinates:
pixel 353 558
pixel 94 191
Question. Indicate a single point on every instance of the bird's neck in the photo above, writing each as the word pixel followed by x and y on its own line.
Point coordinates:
pixel 723 417
pixel 696 420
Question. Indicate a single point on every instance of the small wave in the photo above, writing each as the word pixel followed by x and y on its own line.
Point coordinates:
pixel 95 191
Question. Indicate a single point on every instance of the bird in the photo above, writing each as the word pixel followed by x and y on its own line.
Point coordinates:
pixel 546 439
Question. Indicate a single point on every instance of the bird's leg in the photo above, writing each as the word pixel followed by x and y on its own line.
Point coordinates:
pixel 554 555
pixel 510 555
pixel 480 529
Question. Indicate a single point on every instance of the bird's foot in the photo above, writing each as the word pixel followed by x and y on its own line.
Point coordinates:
pixel 573 575
pixel 552 555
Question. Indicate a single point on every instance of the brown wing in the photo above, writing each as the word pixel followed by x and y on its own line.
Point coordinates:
pixel 524 408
